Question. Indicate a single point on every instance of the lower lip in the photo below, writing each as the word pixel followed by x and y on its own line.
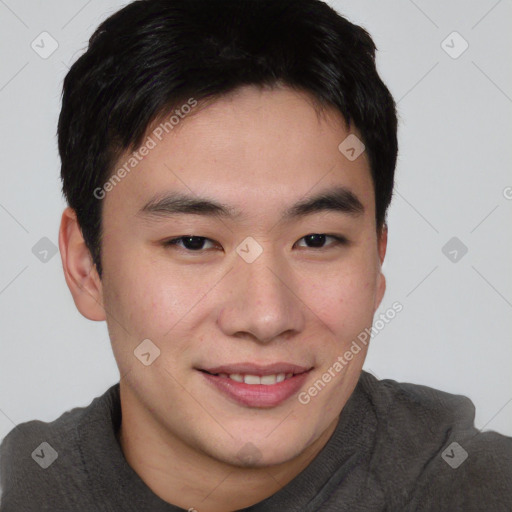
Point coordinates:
pixel 258 395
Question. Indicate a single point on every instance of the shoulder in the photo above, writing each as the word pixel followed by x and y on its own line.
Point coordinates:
pixel 39 441
pixel 40 459
pixel 422 405
pixel 35 456
pixel 416 417
pixel 470 472
pixel 427 438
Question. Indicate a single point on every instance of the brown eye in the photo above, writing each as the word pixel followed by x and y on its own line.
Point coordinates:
pixel 317 241
pixel 189 242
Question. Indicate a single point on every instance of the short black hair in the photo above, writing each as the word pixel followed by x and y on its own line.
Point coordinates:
pixel 152 56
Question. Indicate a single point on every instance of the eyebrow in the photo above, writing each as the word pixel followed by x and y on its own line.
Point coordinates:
pixel 337 199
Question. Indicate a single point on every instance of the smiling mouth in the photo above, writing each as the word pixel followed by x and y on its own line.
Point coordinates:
pixel 257 385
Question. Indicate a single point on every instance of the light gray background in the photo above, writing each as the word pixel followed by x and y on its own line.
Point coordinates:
pixel 454 168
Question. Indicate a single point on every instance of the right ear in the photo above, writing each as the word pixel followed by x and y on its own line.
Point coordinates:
pixel 80 272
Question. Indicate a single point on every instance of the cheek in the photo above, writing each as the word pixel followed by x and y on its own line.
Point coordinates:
pixel 154 300
pixel 152 304
pixel 344 300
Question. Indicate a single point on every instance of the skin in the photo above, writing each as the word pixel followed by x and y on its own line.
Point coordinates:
pixel 257 150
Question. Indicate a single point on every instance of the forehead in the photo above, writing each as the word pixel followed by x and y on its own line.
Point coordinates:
pixel 254 148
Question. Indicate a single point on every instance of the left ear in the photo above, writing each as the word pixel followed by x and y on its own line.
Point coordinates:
pixel 79 270
pixel 382 242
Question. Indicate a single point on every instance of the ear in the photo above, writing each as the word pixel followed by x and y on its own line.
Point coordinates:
pixel 382 243
pixel 79 270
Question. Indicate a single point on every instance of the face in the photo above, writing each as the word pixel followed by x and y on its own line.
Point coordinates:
pixel 250 289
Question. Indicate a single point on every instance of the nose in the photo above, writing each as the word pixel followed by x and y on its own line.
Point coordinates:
pixel 260 301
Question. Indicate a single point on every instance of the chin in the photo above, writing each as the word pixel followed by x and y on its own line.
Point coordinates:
pixel 267 452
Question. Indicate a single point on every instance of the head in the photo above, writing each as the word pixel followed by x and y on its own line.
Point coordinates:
pixel 214 209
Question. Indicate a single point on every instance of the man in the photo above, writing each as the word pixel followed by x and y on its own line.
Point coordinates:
pixel 228 166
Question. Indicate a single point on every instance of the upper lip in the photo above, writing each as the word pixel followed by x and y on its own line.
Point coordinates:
pixel 254 369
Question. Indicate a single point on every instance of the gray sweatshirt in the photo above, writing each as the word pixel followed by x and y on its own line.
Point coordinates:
pixel 397 447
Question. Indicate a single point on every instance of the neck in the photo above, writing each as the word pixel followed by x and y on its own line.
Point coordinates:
pixel 189 478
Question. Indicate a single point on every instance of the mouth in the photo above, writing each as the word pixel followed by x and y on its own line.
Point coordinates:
pixel 257 386
pixel 252 380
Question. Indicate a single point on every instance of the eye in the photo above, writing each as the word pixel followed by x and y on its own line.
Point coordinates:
pixel 317 240
pixel 190 242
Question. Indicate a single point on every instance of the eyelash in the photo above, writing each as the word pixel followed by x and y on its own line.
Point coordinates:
pixel 338 241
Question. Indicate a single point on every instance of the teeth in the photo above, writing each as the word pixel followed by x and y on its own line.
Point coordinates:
pixel 266 380
pixel 252 379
